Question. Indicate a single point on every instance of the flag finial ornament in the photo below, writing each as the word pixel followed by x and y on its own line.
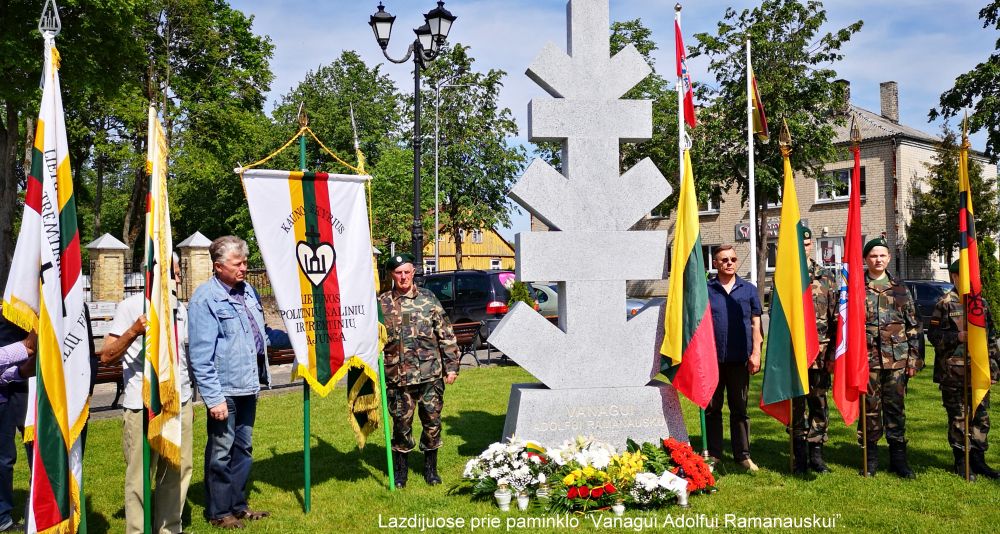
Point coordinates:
pixel 303 118
pixel 677 7
pixel 785 139
pixel 855 132
pixel 965 132
pixel 49 24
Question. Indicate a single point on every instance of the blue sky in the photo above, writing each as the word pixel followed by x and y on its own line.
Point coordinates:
pixel 921 44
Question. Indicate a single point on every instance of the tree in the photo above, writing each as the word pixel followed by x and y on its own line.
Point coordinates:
pixel 477 165
pixel 977 89
pixel 210 72
pixel 792 60
pixel 328 95
pixel 933 228
pixel 97 45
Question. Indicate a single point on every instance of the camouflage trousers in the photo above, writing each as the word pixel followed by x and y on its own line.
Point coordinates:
pixel 812 423
pixel 426 399
pixel 979 424
pixel 885 411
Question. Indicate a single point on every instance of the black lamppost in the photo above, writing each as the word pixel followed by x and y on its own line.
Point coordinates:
pixel 425 48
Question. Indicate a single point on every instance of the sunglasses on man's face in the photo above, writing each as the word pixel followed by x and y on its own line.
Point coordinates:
pixel 727 260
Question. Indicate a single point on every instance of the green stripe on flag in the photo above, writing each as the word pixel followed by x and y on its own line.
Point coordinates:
pixel 52 450
pixel 781 378
pixel 695 301
pixel 322 346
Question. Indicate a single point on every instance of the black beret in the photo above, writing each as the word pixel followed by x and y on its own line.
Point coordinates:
pixel 399 259
pixel 953 268
pixel 877 242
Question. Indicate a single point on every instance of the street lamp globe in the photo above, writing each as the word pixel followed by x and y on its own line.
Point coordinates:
pixel 381 23
pixel 427 41
pixel 439 19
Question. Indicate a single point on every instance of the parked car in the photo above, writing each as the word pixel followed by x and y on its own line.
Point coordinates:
pixel 471 296
pixel 925 295
pixel 547 297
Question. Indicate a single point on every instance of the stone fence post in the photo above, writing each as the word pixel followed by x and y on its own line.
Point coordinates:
pixel 107 269
pixel 196 264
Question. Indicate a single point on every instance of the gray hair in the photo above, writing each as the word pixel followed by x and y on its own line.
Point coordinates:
pixel 226 245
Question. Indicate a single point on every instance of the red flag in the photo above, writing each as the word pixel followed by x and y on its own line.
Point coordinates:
pixel 850 369
pixel 684 75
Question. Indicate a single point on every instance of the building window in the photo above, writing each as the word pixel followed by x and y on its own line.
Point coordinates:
pixel 430 266
pixel 495 263
pixel 830 252
pixel 774 201
pixel 772 256
pixel 707 251
pixel 662 211
pixel 477 236
pixel 710 206
pixel 837 185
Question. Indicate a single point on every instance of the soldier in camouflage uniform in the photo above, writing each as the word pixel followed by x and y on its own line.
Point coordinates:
pixel 894 334
pixel 809 429
pixel 421 356
pixel 946 332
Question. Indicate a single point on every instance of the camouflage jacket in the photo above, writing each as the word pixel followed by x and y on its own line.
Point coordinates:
pixel 421 346
pixel 826 301
pixel 946 322
pixel 892 326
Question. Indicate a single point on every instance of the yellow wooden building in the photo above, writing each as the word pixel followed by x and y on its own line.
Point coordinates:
pixel 481 249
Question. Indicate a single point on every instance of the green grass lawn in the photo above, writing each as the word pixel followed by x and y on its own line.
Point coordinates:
pixel 349 492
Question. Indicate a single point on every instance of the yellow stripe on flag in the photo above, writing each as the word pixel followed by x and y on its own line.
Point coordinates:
pixel 297 198
pixel 788 282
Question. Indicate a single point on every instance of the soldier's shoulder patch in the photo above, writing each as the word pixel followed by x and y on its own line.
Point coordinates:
pixel 958 313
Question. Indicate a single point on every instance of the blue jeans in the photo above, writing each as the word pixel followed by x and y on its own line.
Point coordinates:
pixel 228 455
pixel 11 421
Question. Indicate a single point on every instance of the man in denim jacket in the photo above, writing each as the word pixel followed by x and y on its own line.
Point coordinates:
pixel 228 351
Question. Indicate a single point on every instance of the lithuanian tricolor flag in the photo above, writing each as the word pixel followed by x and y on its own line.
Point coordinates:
pixel 689 339
pixel 44 292
pixel 161 390
pixel 969 282
pixel 313 233
pixel 792 342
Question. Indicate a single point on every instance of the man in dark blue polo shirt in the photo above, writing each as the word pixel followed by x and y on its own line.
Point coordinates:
pixel 736 314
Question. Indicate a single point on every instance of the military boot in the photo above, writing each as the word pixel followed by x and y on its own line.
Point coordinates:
pixel 897 460
pixel 816 462
pixel 979 466
pixel 800 458
pixel 400 468
pixel 431 468
pixel 872 460
pixel 960 465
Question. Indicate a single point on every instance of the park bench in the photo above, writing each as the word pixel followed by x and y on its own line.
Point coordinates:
pixel 469 340
pixel 101 315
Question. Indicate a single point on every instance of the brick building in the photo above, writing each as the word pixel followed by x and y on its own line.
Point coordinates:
pixel 894 159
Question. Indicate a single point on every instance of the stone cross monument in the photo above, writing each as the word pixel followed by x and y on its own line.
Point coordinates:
pixel 596 367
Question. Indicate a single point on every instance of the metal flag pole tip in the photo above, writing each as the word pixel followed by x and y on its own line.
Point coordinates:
pixel 49 24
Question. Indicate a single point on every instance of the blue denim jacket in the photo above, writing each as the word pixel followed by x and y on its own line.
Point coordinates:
pixel 222 349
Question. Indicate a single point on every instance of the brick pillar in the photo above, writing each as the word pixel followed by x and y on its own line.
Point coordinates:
pixel 107 273
pixel 196 264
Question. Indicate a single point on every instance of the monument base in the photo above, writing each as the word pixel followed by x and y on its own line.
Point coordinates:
pixel 552 416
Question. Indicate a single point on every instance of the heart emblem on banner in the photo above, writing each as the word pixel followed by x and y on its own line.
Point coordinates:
pixel 316 261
